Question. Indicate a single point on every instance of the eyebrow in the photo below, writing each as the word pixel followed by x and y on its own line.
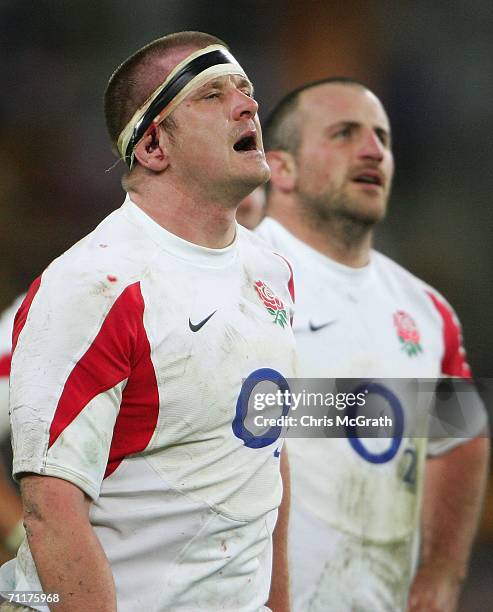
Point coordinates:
pixel 219 84
pixel 378 129
pixel 246 83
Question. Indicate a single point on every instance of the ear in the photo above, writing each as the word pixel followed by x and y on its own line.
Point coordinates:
pixel 152 152
pixel 283 170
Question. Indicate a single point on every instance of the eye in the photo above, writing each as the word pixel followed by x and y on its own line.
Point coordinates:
pixel 211 95
pixel 383 137
pixel 344 132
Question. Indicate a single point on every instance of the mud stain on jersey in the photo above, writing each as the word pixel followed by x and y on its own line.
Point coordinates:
pixel 232 340
pixel 103 288
pixel 363 576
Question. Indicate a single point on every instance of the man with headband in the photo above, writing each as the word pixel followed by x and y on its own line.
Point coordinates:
pixel 133 361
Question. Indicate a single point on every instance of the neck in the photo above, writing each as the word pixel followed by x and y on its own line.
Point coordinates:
pixel 191 217
pixel 342 239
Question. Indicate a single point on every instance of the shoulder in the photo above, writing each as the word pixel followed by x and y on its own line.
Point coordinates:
pixel 410 283
pixel 272 233
pixel 264 252
pixel 97 276
pixel 301 257
pixel 263 249
pixel 437 307
pixel 390 268
pixel 393 274
pixel 101 265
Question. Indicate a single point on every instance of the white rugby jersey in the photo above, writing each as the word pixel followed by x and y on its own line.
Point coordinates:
pixel 6 327
pixel 377 321
pixel 130 354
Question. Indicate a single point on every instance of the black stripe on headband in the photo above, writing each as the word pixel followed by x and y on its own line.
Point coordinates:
pixel 177 83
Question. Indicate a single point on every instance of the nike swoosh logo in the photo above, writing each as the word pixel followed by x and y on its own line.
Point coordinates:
pixel 195 328
pixel 315 328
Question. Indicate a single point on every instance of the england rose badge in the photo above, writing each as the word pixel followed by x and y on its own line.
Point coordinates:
pixel 274 305
pixel 407 332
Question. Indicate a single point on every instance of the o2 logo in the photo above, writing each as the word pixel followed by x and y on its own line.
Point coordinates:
pixel 239 428
pixel 398 421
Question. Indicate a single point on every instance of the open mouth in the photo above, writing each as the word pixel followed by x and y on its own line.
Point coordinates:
pixel 369 178
pixel 246 143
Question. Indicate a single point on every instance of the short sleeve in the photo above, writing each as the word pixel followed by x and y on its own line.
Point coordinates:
pixel 76 343
pixel 454 359
pixel 462 405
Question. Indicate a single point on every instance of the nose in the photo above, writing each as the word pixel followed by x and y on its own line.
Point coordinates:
pixel 244 106
pixel 371 147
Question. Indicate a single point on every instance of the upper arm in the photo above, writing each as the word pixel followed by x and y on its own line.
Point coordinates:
pixel 50 499
pixel 458 404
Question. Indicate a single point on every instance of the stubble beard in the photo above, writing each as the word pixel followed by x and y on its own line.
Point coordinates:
pixel 339 216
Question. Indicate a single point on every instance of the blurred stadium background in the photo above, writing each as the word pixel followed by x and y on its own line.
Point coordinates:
pixel 430 62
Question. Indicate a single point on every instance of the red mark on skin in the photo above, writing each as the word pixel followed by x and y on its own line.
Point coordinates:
pixel 111 278
pixel 224 546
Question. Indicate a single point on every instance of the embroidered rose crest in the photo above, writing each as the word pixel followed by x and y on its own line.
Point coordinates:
pixel 407 332
pixel 273 304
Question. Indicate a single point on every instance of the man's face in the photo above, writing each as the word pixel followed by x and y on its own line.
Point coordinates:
pixel 344 162
pixel 218 140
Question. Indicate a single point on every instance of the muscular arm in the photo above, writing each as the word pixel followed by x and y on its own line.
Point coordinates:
pixel 68 556
pixel 454 491
pixel 279 590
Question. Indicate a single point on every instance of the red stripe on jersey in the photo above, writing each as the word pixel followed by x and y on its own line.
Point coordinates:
pixel 120 351
pixel 5 366
pixel 21 315
pixel 454 357
pixel 139 410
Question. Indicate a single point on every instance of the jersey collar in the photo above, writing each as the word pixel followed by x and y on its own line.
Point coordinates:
pixel 173 244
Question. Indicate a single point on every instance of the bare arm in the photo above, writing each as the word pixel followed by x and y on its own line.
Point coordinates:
pixel 68 556
pixel 279 589
pixel 454 490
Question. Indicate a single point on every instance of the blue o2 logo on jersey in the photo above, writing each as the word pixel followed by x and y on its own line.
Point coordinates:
pixel 239 428
pixel 398 420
